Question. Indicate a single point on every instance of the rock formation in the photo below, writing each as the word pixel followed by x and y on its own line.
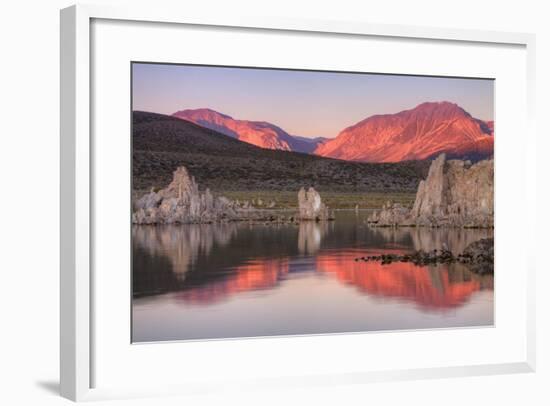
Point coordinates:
pixel 390 215
pixel 310 205
pixel 455 193
pixel 182 202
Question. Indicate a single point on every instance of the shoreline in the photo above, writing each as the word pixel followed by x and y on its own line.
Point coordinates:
pixel 335 200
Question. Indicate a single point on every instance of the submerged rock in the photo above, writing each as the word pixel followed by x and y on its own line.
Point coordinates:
pixel 478 257
pixel 455 193
pixel 311 207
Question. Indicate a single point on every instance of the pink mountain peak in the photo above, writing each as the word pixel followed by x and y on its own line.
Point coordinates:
pixel 419 133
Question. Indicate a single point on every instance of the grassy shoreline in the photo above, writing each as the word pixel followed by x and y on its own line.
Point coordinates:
pixel 334 200
pixel 269 199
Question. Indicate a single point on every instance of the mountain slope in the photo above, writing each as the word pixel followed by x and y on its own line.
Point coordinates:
pixel 259 133
pixel 422 132
pixel 162 143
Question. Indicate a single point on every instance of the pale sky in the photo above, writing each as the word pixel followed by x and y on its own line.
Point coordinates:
pixel 304 103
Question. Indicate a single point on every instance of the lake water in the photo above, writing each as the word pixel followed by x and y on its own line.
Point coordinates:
pixel 240 280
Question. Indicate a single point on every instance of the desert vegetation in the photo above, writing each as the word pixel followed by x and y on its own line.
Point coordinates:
pixel 334 200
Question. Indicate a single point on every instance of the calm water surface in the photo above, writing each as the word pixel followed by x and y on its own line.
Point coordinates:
pixel 240 280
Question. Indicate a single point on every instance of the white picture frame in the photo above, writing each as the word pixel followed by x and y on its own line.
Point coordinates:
pixel 76 279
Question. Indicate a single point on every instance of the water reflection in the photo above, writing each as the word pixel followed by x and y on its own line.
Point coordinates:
pixel 421 238
pixel 162 255
pixel 207 266
pixel 182 245
pixel 257 275
pixel 310 235
pixel 430 287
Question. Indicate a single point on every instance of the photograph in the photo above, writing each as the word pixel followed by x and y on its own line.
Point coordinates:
pixel 281 202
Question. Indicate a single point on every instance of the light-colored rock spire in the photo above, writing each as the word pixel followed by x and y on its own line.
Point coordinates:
pixel 455 194
pixel 310 205
pixel 182 202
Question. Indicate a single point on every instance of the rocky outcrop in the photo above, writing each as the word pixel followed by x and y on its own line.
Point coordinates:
pixel 455 194
pixel 182 202
pixel 392 214
pixel 311 207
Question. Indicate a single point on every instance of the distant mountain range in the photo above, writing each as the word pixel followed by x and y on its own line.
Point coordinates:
pixel 419 133
pixel 259 133
pixel 162 143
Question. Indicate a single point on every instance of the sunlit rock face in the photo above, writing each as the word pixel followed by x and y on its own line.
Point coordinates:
pixel 259 133
pixel 456 193
pixel 182 202
pixel 419 133
pixel 310 205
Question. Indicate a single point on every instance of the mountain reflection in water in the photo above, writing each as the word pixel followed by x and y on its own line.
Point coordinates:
pixel 187 277
pixel 428 286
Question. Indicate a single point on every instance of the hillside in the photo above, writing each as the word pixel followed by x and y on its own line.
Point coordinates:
pixel 259 133
pixel 162 143
pixel 419 133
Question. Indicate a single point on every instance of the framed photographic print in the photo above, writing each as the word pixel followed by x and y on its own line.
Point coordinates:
pixel 265 203
pixel 243 230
